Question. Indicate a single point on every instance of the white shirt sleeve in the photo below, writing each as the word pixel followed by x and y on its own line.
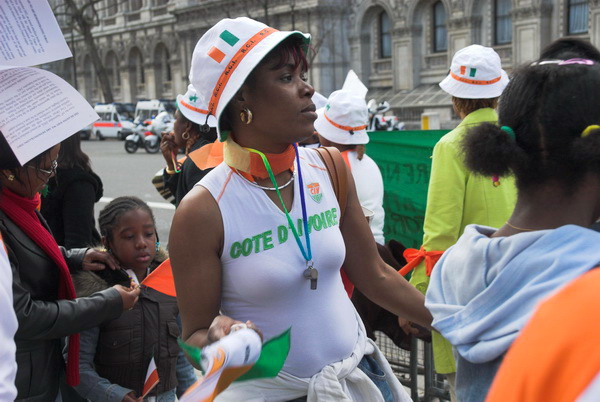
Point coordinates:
pixel 8 327
pixel 369 186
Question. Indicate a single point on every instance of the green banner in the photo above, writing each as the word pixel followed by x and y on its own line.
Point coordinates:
pixel 404 158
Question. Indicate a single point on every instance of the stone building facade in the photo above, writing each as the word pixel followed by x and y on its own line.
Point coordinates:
pixel 147 45
pixel 401 49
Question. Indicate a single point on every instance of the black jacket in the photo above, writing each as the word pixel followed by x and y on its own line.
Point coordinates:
pixel 43 319
pixel 181 183
pixel 69 207
pixel 127 344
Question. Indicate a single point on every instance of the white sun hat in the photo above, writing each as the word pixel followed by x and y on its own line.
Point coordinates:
pixel 476 73
pixel 344 119
pixel 189 106
pixel 226 55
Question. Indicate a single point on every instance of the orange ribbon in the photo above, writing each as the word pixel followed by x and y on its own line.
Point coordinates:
pixel 414 258
pixel 345 128
pixel 474 82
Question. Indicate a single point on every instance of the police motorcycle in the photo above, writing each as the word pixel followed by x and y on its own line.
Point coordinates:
pixel 142 137
pixel 378 121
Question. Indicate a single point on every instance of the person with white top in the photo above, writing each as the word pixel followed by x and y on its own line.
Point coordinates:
pixel 342 123
pixel 259 240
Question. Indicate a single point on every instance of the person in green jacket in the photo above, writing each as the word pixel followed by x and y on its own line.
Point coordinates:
pixel 457 197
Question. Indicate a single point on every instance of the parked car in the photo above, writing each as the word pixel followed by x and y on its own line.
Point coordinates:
pixel 86 132
pixel 112 123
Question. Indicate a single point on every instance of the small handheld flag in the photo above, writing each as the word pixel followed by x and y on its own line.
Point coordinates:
pixel 151 378
pixel 238 356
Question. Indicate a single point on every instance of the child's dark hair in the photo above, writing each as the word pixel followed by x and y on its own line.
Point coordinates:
pixel 110 214
pixel 568 48
pixel 548 106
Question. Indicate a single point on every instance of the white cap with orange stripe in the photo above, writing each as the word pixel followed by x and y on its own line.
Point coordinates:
pixel 344 119
pixel 226 55
pixel 189 105
pixel 476 73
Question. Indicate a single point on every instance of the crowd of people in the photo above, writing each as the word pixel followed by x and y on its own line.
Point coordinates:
pixel 275 236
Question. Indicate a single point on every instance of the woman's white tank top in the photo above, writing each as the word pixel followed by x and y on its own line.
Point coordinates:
pixel 263 267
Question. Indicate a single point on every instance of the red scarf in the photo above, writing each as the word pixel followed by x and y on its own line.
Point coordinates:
pixel 21 211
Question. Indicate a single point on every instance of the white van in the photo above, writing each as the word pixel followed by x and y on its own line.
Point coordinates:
pixel 112 124
pixel 147 110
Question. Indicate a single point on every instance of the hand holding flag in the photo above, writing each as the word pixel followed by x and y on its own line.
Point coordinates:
pixel 238 356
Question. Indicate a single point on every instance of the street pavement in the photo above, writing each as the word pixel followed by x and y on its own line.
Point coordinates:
pixel 129 174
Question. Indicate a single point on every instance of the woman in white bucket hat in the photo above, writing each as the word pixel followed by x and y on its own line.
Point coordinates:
pixel 191 114
pixel 259 239
pixel 342 123
pixel 457 197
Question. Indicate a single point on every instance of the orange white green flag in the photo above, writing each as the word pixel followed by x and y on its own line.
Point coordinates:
pixel 238 356
pixel 151 378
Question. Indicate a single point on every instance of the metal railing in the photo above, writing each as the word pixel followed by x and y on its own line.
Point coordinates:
pixel 414 369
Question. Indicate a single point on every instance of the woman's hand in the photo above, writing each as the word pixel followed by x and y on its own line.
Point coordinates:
pixel 129 296
pixel 130 397
pixel 167 148
pixel 407 327
pixel 96 260
pixel 221 326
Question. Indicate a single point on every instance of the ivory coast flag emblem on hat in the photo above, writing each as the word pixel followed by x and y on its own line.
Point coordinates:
pixel 314 190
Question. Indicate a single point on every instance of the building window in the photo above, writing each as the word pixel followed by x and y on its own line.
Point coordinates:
pixel 135 5
pixel 502 22
pixel 440 32
pixel 112 7
pixel 578 16
pixel 385 36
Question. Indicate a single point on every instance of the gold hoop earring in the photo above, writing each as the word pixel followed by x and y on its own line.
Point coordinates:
pixel 246 116
pixel 186 135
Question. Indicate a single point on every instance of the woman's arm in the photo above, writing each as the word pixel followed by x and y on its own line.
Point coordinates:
pixel 91 385
pixel 371 275
pixel 195 243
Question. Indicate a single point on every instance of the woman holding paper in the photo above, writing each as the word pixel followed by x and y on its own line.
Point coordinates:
pixel 179 178
pixel 44 299
pixel 260 237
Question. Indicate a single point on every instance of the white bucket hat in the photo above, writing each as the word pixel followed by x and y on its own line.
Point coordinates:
pixel 226 55
pixel 344 119
pixel 476 73
pixel 189 106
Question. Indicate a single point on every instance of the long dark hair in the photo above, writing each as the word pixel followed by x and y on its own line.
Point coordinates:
pixel 71 156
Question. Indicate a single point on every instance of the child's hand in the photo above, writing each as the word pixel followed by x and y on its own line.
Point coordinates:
pixel 129 296
pixel 130 397
pixel 96 260
pixel 221 326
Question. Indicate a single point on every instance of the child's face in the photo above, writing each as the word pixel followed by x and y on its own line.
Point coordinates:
pixel 133 240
